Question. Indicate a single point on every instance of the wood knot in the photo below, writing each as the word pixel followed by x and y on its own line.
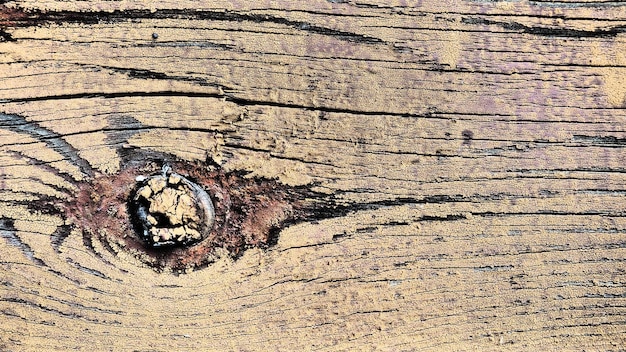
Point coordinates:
pixel 170 210
pixel 185 215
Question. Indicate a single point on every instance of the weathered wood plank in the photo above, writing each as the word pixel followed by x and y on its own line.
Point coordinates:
pixel 461 166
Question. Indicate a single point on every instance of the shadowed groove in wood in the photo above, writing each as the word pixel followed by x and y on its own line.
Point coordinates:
pixel 18 124
pixel 17 17
pixel 7 232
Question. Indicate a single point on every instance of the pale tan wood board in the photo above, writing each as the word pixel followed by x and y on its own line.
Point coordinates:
pixel 487 137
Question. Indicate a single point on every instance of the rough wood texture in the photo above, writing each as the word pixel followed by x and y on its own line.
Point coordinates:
pixel 475 149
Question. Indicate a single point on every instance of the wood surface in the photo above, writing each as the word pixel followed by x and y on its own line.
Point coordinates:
pixel 465 162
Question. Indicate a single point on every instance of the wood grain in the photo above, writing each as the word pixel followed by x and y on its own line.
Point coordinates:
pixel 473 152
